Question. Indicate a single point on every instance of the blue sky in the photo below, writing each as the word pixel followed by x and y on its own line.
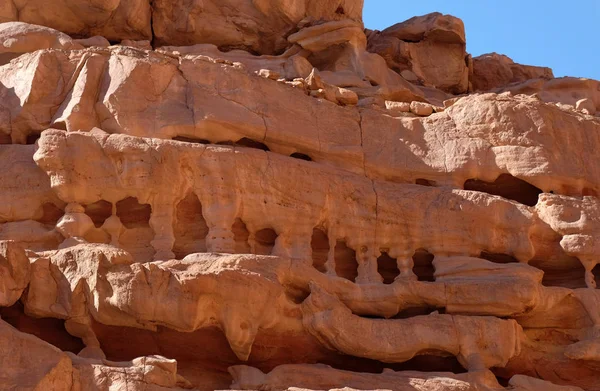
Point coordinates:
pixel 562 35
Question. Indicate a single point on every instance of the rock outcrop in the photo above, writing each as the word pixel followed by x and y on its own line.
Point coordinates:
pixel 429 49
pixel 113 19
pixel 495 70
pixel 257 26
pixel 263 195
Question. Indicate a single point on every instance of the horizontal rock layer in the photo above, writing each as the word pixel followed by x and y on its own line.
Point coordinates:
pixel 262 195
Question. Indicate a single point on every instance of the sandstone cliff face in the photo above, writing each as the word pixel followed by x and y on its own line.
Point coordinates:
pixel 260 26
pixel 262 195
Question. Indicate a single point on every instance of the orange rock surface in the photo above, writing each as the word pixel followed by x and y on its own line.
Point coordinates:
pixel 263 195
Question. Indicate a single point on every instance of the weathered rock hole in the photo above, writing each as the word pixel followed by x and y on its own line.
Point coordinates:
pixel 50 214
pixel 320 249
pixel 498 258
pixel 568 273
pixel 507 186
pixel 423 267
pixel 203 356
pixel 421 363
pixel 191 140
pixel 431 363
pixel 5 138
pixel 346 265
pixel 133 214
pixel 589 192
pixel 99 211
pixel 340 11
pixel 5 58
pixel 249 143
pixel 596 272
pixel 229 48
pixel 387 268
pixel 322 60
pixel 415 40
pixel 425 182
pixel 47 329
pixel 265 241
pixel 240 236
pixel 417 311
pixel 296 295
pixel 138 235
pixel 301 156
pixel 190 228
pixel 373 83
pixel 32 138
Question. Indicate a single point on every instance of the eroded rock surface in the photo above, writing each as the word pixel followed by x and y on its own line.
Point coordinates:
pixel 263 195
pixel 494 70
pixel 258 26
pixel 429 49
pixel 113 19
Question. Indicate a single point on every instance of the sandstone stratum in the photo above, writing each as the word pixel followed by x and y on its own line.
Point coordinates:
pixel 264 195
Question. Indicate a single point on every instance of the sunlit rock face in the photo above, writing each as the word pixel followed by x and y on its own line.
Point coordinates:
pixel 263 195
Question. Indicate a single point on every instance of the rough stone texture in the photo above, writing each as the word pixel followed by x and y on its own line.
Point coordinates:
pixel 15 269
pixel 260 26
pixel 18 38
pixel 495 70
pixel 29 363
pixel 112 19
pixel 422 109
pixel 302 214
pixel 564 92
pixel 429 49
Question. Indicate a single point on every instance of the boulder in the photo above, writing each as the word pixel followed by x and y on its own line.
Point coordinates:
pixel 29 363
pixel 428 50
pixel 422 109
pixel 496 70
pixel 14 272
pixel 18 37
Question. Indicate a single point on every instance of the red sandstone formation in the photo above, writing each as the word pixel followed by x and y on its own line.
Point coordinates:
pixel 263 195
